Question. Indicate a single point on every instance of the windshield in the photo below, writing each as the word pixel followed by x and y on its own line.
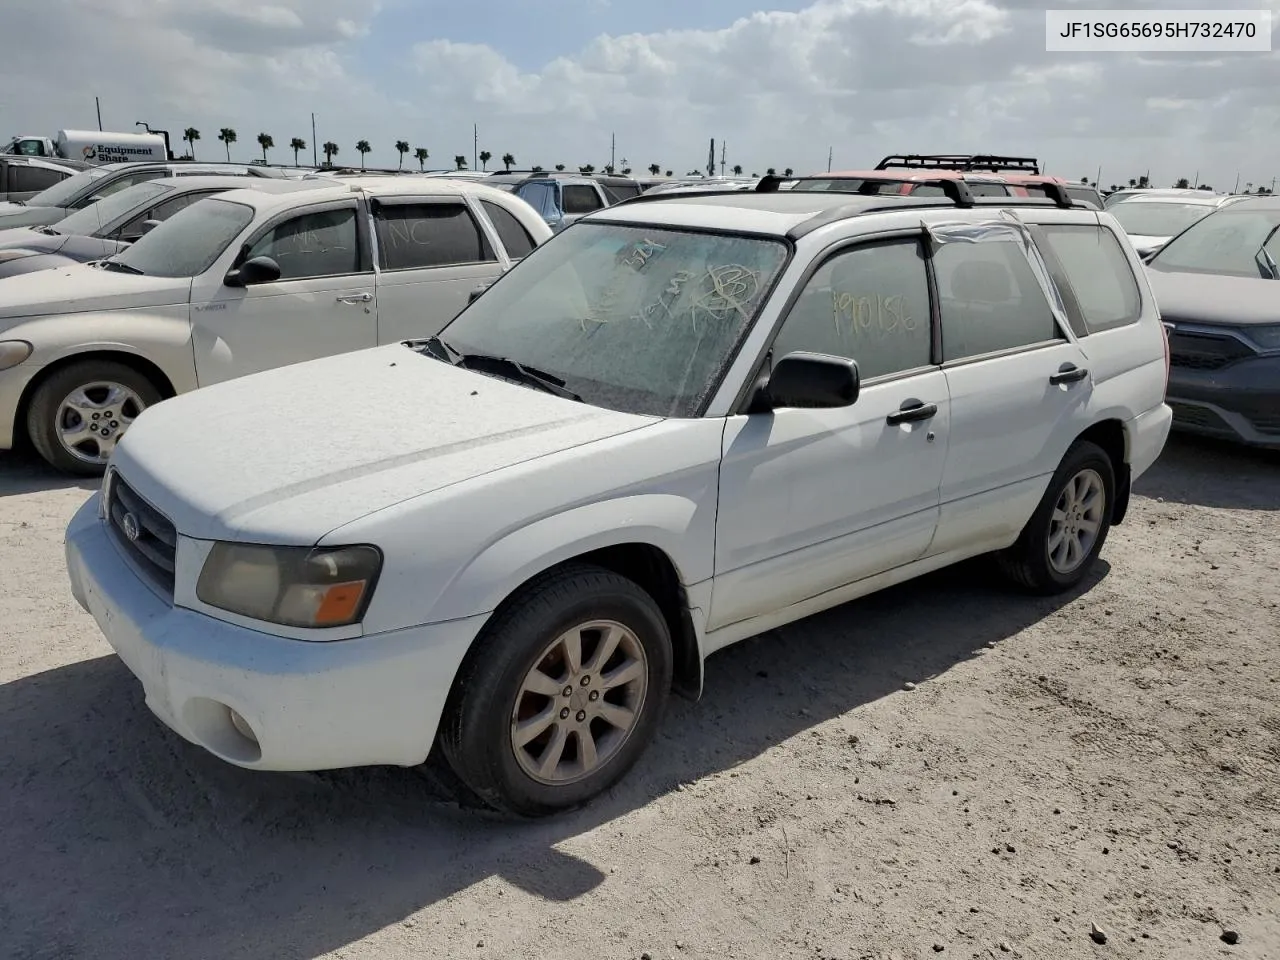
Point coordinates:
pixel 636 319
pixel 1226 242
pixel 187 243
pixel 1142 218
pixel 65 192
pixel 89 221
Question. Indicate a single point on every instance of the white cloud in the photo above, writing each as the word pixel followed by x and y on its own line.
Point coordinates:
pixel 865 77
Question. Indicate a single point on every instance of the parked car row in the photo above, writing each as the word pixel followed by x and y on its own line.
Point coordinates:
pixel 273 273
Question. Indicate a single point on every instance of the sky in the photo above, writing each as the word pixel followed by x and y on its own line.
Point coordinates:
pixel 777 83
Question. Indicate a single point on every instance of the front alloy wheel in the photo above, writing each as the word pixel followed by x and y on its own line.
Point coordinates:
pixel 580 702
pixel 561 692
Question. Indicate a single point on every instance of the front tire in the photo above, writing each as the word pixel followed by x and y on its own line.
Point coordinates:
pixel 561 694
pixel 1061 542
pixel 79 413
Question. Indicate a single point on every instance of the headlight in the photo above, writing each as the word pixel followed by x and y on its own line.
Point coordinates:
pixel 1268 338
pixel 291 586
pixel 13 352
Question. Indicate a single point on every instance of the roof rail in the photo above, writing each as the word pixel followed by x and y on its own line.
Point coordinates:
pixel 957 191
pixel 960 161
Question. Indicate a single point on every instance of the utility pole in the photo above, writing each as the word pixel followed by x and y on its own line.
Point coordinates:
pixel 1236 188
pixel 711 159
pixel 315 147
pixel 831 151
pixel 475 145
pixel 724 148
pixel 98 104
pixel 613 152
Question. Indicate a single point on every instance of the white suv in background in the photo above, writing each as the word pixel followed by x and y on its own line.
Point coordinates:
pixel 251 279
pixel 684 421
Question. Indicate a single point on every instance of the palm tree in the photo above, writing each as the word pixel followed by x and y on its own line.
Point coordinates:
pixel 228 137
pixel 421 155
pixel 1132 182
pixel 296 144
pixel 191 135
pixel 266 142
pixel 626 171
pixel 668 173
pixel 787 172
pixel 537 169
pixel 608 168
pixel 330 151
pixel 1183 183
pixel 402 147
pixel 654 169
pixel 460 161
pixel 737 169
pixel 560 167
pixel 587 168
pixel 507 160
pixel 485 157
pixel 362 148
pixel 771 172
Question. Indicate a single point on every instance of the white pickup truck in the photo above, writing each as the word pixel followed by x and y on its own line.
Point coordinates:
pixel 93 146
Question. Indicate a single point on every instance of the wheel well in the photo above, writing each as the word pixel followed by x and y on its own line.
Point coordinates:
pixel 652 569
pixel 1109 435
pixel 139 364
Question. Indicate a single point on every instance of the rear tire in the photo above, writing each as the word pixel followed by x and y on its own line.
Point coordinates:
pixel 1061 542
pixel 78 414
pixel 530 731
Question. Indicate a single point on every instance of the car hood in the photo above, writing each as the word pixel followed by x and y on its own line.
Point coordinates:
pixel 1214 299
pixel 20 215
pixel 79 288
pixel 287 455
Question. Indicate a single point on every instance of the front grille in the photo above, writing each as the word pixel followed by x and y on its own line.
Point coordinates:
pixel 144 532
pixel 1204 351
pixel 1192 415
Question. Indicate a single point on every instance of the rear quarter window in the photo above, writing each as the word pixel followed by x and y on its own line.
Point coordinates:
pixel 1099 273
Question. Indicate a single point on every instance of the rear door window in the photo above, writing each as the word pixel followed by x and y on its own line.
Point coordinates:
pixel 1098 271
pixel 580 198
pixel 990 300
pixel 416 235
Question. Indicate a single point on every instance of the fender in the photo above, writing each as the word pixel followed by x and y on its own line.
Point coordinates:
pixel 153 334
pixel 664 521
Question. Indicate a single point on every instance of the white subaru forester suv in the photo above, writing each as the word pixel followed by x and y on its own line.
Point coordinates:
pixel 683 421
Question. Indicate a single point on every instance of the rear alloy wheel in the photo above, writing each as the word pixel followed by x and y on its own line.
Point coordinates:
pixel 78 415
pixel 561 693
pixel 1061 542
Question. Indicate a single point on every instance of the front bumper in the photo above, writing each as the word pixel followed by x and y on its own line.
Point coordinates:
pixel 1238 402
pixel 12 384
pixel 261 701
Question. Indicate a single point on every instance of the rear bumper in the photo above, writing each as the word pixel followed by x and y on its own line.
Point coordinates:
pixel 1146 435
pixel 1238 402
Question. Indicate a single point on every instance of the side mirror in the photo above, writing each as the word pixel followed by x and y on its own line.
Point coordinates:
pixel 475 294
pixel 808 380
pixel 257 270
pixel 149 225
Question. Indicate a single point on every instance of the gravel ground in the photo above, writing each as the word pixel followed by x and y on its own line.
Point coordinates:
pixel 1108 758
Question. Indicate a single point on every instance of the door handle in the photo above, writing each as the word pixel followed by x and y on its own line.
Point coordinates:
pixel 1068 373
pixel 912 411
pixel 356 298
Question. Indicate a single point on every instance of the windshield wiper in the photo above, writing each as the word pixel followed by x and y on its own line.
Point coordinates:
pixel 439 348
pixel 46 230
pixel 119 267
pixel 1266 262
pixel 506 367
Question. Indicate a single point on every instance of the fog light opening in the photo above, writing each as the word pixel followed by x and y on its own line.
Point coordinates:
pixel 242 726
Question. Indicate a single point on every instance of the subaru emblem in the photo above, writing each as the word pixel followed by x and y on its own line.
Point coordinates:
pixel 130 525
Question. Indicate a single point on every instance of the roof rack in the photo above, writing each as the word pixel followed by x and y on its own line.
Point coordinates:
pixel 957 191
pixel 960 161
